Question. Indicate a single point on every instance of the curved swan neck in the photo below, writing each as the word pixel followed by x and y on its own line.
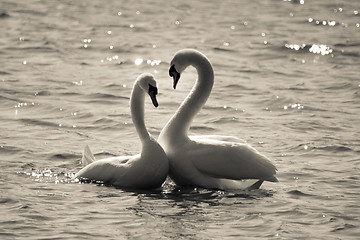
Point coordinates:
pixel 137 112
pixel 179 124
pixel 201 89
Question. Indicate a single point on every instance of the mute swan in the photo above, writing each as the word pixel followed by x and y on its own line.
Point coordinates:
pixel 146 170
pixel 218 162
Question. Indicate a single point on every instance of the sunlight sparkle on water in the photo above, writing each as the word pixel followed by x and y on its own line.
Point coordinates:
pixel 330 23
pixel 47 175
pixel 21 105
pixel 293 106
pixel 86 42
pixel 78 83
pixel 153 62
pixel 138 61
pixel 295 47
pixel 320 49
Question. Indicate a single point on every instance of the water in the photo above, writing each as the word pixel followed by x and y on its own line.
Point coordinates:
pixel 287 81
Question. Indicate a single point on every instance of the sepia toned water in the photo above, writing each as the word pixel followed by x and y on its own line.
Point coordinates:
pixel 287 80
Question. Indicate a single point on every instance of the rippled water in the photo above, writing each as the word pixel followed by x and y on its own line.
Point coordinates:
pixel 287 81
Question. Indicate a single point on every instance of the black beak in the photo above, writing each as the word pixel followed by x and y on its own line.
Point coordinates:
pixel 153 91
pixel 173 73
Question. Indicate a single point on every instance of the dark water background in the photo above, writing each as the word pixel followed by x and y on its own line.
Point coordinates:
pixel 287 81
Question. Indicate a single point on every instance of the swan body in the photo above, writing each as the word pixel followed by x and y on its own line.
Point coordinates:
pixel 146 170
pixel 209 161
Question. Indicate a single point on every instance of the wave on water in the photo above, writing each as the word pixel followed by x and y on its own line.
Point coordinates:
pixel 38 122
pixel 334 149
pixel 10 150
pixel 104 98
pixel 298 193
pixel 202 128
pixel 348 44
pixel 345 227
pixel 223 49
pixel 64 156
pixel 4 15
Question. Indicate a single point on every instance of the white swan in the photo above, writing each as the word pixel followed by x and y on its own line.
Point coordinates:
pixel 219 162
pixel 146 170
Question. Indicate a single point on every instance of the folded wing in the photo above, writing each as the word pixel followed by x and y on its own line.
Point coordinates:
pixel 230 160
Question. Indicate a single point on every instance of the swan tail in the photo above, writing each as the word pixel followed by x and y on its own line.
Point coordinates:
pixel 87 157
pixel 256 185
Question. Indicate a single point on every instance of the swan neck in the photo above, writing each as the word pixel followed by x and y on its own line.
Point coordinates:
pixel 137 112
pixel 202 87
pixel 179 125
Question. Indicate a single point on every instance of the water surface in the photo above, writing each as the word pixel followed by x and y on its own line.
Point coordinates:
pixel 286 81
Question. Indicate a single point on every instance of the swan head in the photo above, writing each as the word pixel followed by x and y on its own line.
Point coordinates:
pixel 147 83
pixel 182 60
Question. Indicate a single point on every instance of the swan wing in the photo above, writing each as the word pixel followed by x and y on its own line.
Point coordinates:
pixel 105 169
pixel 87 157
pixel 230 160
pixel 218 138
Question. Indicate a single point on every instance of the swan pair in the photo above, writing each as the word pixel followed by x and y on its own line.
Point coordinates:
pixel 208 161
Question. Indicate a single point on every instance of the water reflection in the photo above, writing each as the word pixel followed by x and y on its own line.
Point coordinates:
pixel 138 61
pixel 330 23
pixel 321 49
pixel 194 211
